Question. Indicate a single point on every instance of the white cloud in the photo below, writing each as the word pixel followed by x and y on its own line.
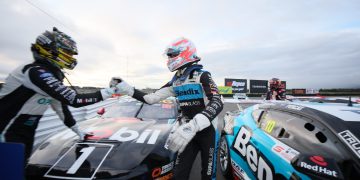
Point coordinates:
pixel 240 39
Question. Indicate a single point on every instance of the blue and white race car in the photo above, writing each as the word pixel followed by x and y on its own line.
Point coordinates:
pixel 303 140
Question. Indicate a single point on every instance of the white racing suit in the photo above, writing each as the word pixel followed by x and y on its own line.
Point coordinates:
pixel 196 93
pixel 27 93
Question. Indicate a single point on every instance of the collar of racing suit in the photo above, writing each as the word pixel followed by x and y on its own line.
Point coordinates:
pixel 184 73
pixel 56 71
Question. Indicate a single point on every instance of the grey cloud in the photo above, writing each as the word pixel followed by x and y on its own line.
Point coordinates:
pixel 328 61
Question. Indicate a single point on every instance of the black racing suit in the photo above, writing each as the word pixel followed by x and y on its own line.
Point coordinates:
pixel 280 94
pixel 196 93
pixel 28 91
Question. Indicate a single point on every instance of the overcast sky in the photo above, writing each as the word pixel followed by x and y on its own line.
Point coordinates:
pixel 309 44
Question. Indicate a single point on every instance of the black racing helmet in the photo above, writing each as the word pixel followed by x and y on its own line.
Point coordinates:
pixel 57 48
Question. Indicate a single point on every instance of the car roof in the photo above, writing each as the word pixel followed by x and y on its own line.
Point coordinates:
pixel 338 118
pixel 342 111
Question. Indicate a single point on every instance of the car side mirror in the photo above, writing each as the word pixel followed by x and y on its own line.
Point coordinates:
pixel 101 111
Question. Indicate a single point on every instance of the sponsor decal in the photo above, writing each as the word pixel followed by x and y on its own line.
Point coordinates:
pixel 188 92
pixel 210 161
pixel 318 160
pixel 190 103
pixel 44 101
pixel 351 141
pixel 86 100
pixel 124 134
pixel 163 170
pixel 319 165
pixel 237 84
pixel 239 172
pixel 285 152
pixel 256 162
pixel 294 107
pixel 45 75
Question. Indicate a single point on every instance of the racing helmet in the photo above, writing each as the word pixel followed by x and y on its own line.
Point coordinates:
pixel 57 48
pixel 275 83
pixel 180 53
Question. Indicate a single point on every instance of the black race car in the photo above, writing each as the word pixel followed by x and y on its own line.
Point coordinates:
pixel 127 143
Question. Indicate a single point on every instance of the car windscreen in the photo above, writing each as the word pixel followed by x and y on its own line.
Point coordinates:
pixel 126 109
pixel 157 111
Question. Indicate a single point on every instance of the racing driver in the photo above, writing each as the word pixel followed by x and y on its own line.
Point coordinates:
pixel 276 92
pixel 200 103
pixel 30 89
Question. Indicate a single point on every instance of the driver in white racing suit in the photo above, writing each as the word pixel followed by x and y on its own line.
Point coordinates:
pixel 200 103
pixel 30 89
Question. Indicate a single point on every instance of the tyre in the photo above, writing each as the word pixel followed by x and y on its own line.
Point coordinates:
pixel 224 155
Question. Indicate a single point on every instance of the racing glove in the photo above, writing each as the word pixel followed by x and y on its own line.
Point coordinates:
pixel 107 92
pixel 80 133
pixel 173 129
pixel 123 87
pixel 178 140
pixel 114 81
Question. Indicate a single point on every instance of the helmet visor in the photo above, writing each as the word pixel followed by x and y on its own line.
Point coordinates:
pixel 171 53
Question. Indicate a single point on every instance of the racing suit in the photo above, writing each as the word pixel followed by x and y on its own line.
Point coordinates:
pixel 280 94
pixel 196 93
pixel 27 93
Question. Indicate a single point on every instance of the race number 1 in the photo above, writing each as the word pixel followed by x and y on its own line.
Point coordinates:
pixel 85 153
pixel 82 161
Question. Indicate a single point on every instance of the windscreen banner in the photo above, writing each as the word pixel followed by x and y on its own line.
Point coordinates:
pixel 225 90
pixel 238 85
pixel 258 86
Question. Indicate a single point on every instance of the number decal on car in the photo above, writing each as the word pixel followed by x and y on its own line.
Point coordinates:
pixel 77 161
pixel 270 126
pixel 85 153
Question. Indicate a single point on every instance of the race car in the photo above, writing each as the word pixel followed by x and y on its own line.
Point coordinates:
pixel 127 143
pixel 286 140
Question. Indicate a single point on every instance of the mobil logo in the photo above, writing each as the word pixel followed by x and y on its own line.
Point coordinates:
pixel 125 134
pixel 319 160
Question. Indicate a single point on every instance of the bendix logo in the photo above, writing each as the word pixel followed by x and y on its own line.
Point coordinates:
pixel 251 155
